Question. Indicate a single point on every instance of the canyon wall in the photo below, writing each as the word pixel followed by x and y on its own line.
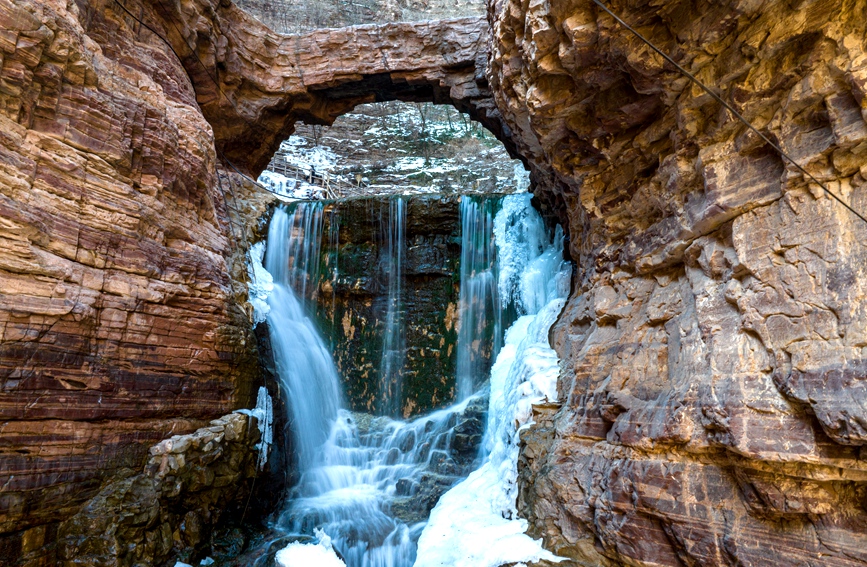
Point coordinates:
pixel 119 324
pixel 712 398
pixel 712 394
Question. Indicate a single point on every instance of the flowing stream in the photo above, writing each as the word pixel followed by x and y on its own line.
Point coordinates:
pixel 394 345
pixel 369 482
pixel 480 333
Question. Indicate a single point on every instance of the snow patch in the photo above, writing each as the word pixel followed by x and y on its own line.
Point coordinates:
pixel 319 554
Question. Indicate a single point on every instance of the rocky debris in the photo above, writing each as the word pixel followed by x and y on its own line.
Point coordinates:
pixel 189 485
pixel 711 350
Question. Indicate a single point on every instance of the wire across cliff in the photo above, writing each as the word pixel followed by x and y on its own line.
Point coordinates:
pixel 730 108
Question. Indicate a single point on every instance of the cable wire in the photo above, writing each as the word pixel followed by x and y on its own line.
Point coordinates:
pixel 731 109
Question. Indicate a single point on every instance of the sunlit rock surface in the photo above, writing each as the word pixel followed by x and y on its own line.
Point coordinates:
pixel 713 347
pixel 254 84
pixel 713 363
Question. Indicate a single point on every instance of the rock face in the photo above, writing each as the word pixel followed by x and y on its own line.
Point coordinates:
pixel 712 395
pixel 189 484
pixel 353 300
pixel 253 85
pixel 119 325
pixel 713 349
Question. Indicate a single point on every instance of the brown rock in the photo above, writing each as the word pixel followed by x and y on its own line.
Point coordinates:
pixel 712 347
pixel 119 324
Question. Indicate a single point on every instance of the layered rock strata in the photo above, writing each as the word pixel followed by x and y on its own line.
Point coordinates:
pixel 119 325
pixel 711 401
pixel 167 511
pixel 712 391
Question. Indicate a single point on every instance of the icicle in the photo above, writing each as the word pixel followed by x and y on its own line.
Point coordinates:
pixel 264 414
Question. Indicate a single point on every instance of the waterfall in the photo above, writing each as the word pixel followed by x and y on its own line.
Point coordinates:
pixel 304 366
pixel 479 304
pixel 394 344
pixel 367 482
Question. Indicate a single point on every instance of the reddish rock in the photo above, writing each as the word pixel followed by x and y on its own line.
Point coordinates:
pixel 712 349
pixel 118 321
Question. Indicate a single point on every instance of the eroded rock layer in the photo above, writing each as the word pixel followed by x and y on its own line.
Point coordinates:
pixel 253 84
pixel 118 323
pixel 713 349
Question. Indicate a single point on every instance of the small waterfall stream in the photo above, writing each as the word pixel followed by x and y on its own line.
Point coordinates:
pixel 480 309
pixel 394 344
pixel 369 482
pixel 304 365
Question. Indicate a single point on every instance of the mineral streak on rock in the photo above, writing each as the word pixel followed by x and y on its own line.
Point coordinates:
pixel 713 349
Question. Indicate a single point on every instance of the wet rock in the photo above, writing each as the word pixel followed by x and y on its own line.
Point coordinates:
pixel 352 299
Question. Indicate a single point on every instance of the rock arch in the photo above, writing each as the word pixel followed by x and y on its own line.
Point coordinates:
pixel 253 84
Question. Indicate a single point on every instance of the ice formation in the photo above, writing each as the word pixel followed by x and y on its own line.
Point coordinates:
pixel 308 555
pixel 264 414
pixel 260 285
pixel 475 524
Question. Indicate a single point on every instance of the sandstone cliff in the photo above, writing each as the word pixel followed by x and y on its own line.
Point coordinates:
pixel 712 351
pixel 712 394
pixel 119 325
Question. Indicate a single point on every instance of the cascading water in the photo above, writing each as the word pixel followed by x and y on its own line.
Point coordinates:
pixel 475 524
pixel 480 310
pixel 304 365
pixel 394 344
pixel 367 482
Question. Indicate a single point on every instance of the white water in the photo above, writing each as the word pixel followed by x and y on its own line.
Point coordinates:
pixel 475 524
pixel 362 478
pixel 394 344
pixel 304 365
pixel 479 308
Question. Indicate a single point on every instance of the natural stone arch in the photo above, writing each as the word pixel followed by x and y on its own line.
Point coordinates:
pixel 253 84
